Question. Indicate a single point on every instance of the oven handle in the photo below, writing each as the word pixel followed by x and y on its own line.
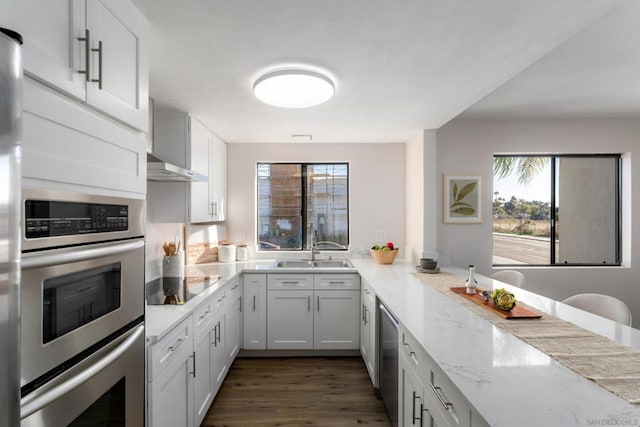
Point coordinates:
pixel 28 406
pixel 46 259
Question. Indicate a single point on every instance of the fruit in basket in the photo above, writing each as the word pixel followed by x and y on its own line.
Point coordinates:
pixel 503 299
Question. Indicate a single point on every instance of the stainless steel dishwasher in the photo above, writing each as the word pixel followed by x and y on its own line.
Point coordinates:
pixel 388 352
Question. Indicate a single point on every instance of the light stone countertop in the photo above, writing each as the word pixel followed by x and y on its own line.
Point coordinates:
pixel 509 382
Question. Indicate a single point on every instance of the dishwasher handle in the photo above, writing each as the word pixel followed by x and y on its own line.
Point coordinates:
pixel 388 315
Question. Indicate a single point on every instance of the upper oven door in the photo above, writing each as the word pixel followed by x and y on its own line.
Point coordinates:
pixel 55 219
pixel 72 298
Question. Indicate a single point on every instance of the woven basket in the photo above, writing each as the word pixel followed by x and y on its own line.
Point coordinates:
pixel 384 257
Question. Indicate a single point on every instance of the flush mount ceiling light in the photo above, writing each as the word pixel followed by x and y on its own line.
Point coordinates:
pixel 293 88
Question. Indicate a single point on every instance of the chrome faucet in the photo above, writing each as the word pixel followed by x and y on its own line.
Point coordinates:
pixel 314 248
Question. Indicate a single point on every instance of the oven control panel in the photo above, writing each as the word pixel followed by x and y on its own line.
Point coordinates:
pixel 46 218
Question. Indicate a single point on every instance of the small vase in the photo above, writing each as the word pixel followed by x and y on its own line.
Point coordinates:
pixel 471 284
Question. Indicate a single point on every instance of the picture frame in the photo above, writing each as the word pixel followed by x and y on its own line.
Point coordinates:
pixel 462 201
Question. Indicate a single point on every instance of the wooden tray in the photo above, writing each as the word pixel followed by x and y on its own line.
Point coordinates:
pixel 518 311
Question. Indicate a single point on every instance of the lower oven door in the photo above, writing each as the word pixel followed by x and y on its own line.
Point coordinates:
pixel 107 388
pixel 73 299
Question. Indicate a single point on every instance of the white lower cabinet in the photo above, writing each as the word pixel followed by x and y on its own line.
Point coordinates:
pixel 233 320
pixel 171 378
pixel 313 311
pixel 187 366
pixel 254 311
pixel 290 319
pixel 335 323
pixel 219 360
pixel 368 338
pixel 203 385
pixel 426 396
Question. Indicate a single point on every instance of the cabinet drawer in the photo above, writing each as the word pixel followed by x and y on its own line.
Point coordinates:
pixel 367 292
pixel 448 401
pixel 336 281
pixel 290 281
pixel 202 315
pixel 410 347
pixel 162 353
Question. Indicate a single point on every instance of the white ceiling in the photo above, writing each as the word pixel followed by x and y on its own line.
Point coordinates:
pixel 400 66
pixel 596 73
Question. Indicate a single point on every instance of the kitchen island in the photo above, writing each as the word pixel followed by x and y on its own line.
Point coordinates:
pixel 506 381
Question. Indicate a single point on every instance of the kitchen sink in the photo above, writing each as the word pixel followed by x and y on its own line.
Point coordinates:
pixel 324 263
pixel 336 263
pixel 294 264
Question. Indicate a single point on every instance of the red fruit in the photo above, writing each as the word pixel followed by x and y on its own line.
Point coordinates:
pixel 390 245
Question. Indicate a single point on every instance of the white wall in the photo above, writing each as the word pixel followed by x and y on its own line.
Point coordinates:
pixel 155 235
pixel 415 221
pixel 421 183
pixel 467 147
pixel 376 187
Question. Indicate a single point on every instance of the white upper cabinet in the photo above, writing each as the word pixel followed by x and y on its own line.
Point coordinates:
pixel 95 51
pixel 218 179
pixel 183 140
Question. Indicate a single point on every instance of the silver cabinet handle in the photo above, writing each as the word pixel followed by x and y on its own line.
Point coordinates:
pixel 422 411
pixel 308 303
pixel 240 304
pixel 194 364
pixel 78 254
pixel 337 282
pixel 290 283
pixel 408 349
pixel 440 397
pixel 366 311
pixel 318 303
pixel 413 411
pixel 206 314
pixel 99 79
pixel 32 403
pixel 87 52
pixel 254 303
pixel 362 317
pixel 215 335
pixel 172 348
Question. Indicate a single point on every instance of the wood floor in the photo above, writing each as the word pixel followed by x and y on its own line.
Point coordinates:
pixel 305 391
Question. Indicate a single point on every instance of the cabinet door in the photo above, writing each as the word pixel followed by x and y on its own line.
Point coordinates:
pixel 171 393
pixel 232 318
pixel 203 386
pixel 411 394
pixel 119 75
pixel 369 299
pixel 254 311
pixel 52 52
pixel 200 152
pixel 218 178
pixel 219 361
pixel 364 332
pixel 336 325
pixel 290 319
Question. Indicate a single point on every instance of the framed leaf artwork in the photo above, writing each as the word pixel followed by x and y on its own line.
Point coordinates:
pixel 462 199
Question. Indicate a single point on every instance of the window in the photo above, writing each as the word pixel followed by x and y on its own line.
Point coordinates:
pixel 302 204
pixel 556 210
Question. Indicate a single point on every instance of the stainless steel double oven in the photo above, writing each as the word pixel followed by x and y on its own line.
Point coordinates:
pixel 82 332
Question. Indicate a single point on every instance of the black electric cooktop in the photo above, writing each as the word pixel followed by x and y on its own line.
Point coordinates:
pixel 176 290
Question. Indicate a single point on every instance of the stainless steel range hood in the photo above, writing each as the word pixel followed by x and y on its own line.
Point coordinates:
pixel 159 170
